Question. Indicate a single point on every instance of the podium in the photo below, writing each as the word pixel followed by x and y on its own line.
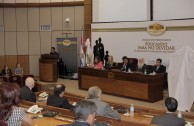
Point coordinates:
pixel 48 68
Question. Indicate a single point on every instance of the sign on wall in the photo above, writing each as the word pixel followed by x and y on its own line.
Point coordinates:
pixel 67 48
pixel 149 40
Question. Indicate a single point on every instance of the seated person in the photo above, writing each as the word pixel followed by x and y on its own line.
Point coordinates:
pixel 12 115
pixel 6 71
pixel 125 65
pixel 97 63
pixel 169 119
pixel 85 113
pixel 103 109
pixel 110 63
pixel 58 99
pixel 141 65
pixel 18 70
pixel 26 92
pixel 159 68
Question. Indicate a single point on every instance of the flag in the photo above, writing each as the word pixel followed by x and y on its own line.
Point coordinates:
pixel 89 53
pixel 82 54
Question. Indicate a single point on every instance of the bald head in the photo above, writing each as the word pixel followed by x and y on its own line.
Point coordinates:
pixel 30 82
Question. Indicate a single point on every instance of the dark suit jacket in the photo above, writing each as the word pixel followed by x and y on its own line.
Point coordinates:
pixel 161 69
pixel 76 123
pixel 55 53
pixel 57 101
pixel 131 66
pixel 3 73
pixel 124 69
pixel 168 120
pixel 27 94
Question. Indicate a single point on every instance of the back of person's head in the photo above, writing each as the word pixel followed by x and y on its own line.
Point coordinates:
pixel 84 108
pixel 171 104
pixel 29 82
pixel 94 92
pixel 59 88
pixel 9 95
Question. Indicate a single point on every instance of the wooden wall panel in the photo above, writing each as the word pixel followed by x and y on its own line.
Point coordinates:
pixel 2 62
pixel 87 18
pixel 24 61
pixel 11 61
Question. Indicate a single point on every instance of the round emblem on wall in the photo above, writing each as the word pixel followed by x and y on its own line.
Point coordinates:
pixel 156 29
pixel 66 42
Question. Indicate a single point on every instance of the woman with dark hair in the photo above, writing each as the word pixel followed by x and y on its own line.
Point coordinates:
pixel 97 63
pixel 9 110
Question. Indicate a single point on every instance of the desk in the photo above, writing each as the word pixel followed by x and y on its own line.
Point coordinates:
pixel 132 85
pixel 48 70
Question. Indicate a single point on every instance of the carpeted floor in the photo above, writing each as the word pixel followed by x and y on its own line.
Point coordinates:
pixel 72 87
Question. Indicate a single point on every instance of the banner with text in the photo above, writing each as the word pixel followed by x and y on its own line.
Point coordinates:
pixel 149 40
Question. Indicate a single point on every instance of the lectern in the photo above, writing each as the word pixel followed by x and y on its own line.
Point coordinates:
pixel 48 68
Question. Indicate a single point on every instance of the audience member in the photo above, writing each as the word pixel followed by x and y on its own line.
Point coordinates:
pixel 110 63
pixel 169 119
pixel 18 70
pixel 58 99
pixel 10 113
pixel 103 109
pixel 159 68
pixel 6 71
pixel 141 65
pixel 85 113
pixel 26 92
pixel 53 52
pixel 97 63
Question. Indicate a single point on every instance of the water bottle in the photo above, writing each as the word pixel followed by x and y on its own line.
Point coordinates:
pixel 132 110
pixel 179 114
pixel 145 72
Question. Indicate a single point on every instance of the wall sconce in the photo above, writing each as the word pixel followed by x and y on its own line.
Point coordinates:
pixel 67 20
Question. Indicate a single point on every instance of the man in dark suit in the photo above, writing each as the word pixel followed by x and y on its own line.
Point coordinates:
pixel 169 119
pixel 159 68
pixel 26 92
pixel 124 65
pixel 58 99
pixel 85 113
pixel 53 52
pixel 6 71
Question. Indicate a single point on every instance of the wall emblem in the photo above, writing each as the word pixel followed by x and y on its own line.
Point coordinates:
pixel 156 29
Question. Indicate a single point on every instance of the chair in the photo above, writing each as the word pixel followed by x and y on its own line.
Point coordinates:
pixel 4 79
pixel 16 79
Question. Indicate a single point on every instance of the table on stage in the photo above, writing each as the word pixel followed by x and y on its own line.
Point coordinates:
pixel 132 85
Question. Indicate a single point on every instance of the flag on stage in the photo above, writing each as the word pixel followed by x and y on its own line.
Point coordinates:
pixel 82 54
pixel 89 53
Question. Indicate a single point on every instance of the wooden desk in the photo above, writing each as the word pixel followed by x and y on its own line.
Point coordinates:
pixel 132 85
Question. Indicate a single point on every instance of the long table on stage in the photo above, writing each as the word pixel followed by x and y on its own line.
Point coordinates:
pixel 131 85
